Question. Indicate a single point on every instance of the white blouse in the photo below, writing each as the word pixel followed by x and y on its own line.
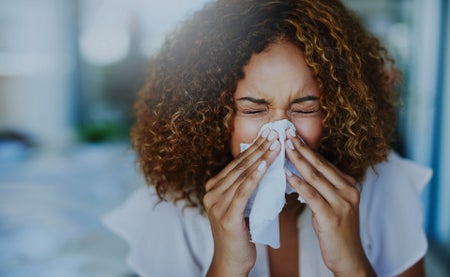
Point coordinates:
pixel 167 240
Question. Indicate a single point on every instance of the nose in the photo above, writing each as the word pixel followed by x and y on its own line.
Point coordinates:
pixel 279 114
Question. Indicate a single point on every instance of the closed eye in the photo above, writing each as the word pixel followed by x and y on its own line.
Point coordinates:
pixel 305 111
pixel 253 111
pixel 251 106
pixel 307 105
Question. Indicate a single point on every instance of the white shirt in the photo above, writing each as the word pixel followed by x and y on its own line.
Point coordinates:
pixel 167 240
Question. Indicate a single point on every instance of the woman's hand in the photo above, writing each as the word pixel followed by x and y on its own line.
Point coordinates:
pixel 334 202
pixel 225 200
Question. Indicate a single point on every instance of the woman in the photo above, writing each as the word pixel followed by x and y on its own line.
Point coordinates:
pixel 233 67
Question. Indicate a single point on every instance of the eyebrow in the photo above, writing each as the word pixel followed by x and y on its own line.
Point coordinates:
pixel 305 98
pixel 254 100
pixel 262 101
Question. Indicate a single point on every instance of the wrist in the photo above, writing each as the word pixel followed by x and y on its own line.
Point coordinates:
pixel 215 271
pixel 364 270
pixel 221 268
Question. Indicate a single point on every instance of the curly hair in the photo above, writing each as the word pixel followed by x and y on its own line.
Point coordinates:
pixel 185 110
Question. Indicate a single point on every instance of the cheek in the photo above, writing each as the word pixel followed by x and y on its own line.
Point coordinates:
pixel 310 130
pixel 244 131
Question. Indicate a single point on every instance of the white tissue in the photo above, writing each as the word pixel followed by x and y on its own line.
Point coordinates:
pixel 268 198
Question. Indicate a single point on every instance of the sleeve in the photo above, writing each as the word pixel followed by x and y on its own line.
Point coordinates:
pixel 395 216
pixel 155 235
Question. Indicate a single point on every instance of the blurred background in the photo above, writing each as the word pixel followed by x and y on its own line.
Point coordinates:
pixel 69 71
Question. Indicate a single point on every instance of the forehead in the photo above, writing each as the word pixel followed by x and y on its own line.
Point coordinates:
pixel 278 71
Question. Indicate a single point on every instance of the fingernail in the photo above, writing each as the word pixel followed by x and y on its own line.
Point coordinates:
pixel 262 166
pixel 272 135
pixel 289 144
pixel 265 133
pixel 274 145
pixel 288 172
pixel 302 141
pixel 292 132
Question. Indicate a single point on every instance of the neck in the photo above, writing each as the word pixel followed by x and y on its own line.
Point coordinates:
pixel 293 207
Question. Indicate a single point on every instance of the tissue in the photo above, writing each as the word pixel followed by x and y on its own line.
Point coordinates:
pixel 268 199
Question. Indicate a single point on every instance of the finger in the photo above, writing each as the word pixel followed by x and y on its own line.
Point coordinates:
pixel 224 194
pixel 327 169
pixel 241 194
pixel 237 178
pixel 314 177
pixel 242 156
pixel 310 194
pixel 245 159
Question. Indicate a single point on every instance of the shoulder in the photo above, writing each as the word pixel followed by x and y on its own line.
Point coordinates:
pixel 402 171
pixel 158 232
pixel 394 181
pixel 391 214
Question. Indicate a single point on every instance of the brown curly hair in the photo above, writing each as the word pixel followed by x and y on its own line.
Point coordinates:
pixel 184 112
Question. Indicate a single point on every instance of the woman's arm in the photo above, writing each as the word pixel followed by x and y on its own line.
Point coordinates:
pixel 225 200
pixel 417 270
pixel 334 202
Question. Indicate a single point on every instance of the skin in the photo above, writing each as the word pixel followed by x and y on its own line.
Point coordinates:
pixel 279 85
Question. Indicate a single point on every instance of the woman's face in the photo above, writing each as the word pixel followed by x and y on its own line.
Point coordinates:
pixel 277 85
